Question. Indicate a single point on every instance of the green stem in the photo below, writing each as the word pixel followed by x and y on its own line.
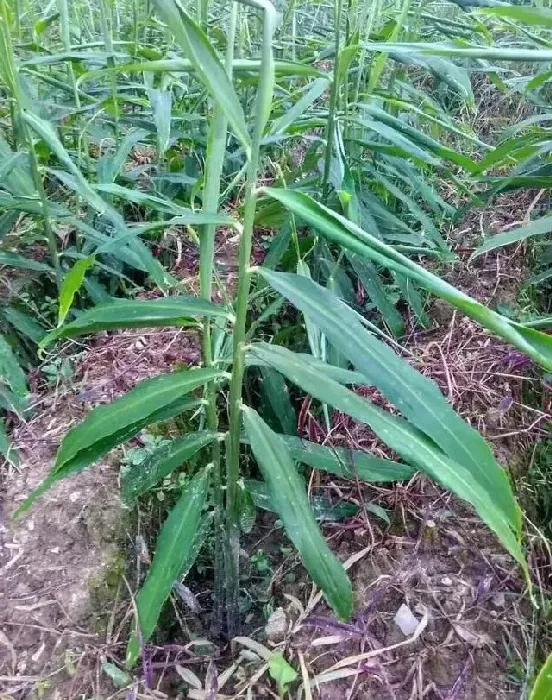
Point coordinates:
pixel 366 24
pixel 202 6
pixel 264 100
pixel 135 14
pixel 334 94
pixel 66 40
pixel 47 223
pixel 17 13
pixel 216 151
pixel 107 31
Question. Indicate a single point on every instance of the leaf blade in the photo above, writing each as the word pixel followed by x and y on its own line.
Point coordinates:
pixel 162 462
pixel 407 441
pixel 109 425
pixel 207 64
pixel 174 547
pixel 72 282
pixel 290 500
pixel 147 313
pixel 417 397
pixel 338 229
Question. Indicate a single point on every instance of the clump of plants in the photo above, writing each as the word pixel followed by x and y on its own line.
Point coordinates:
pixel 357 208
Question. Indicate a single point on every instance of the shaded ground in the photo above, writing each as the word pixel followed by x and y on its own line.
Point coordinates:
pixel 475 635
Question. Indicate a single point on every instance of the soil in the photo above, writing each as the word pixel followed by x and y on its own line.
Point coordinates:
pixel 62 577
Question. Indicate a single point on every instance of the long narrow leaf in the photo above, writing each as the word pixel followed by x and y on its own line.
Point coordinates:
pixel 338 229
pixel 407 441
pixel 107 426
pixel 162 462
pixel 539 227
pixel 175 547
pixel 288 496
pixel 146 313
pixel 196 46
pixel 72 282
pixel 416 396
pixel 353 464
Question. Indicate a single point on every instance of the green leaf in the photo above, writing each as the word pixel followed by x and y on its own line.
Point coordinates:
pixel 326 511
pixel 148 313
pixel 536 16
pixel 417 136
pixel 161 104
pixel 197 48
pixel 395 137
pixel 7 222
pixel 72 282
pixel 42 24
pixel 540 55
pixel 338 229
pixel 287 493
pixel 316 89
pixel 542 690
pixel 12 375
pixel 23 324
pixel 105 427
pixel 275 396
pixel 162 462
pixel 352 464
pixel 416 396
pixel 412 445
pixel 539 227
pixel 14 260
pixel 6 448
pixel 175 546
pixel 185 216
pixel 20 181
pixel 109 166
pixel 76 181
pixel 281 671
pixel 378 511
pixel 375 289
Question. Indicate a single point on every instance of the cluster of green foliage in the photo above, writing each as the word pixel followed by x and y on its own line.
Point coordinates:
pixel 330 103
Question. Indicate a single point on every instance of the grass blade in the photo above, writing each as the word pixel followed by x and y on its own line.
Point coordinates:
pixel 539 227
pixel 197 48
pixel 147 313
pixel 72 282
pixel 404 439
pixel 418 398
pixel 352 464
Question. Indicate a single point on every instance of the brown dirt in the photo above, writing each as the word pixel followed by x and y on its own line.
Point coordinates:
pixel 448 570
pixel 62 561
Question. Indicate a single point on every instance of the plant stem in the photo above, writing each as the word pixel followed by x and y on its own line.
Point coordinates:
pixel 202 13
pixel 17 13
pixel 66 40
pixel 107 31
pixel 262 110
pixel 216 151
pixel 47 223
pixel 135 22
pixel 334 94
